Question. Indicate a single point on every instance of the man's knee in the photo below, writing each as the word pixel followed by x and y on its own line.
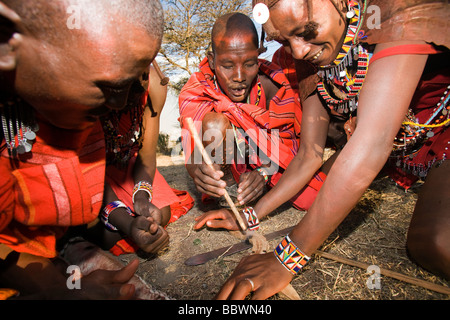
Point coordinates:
pixel 431 250
pixel 215 121
pixel 214 128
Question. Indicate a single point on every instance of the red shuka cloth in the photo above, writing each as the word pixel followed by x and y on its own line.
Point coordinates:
pixel 60 185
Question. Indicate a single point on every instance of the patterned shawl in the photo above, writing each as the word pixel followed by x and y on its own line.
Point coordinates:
pixel 200 95
pixel 59 185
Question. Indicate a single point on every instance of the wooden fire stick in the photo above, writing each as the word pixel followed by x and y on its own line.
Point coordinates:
pixel 208 161
pixel 164 79
pixel 387 273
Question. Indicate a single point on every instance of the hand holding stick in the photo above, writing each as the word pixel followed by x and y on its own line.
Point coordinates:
pixel 208 161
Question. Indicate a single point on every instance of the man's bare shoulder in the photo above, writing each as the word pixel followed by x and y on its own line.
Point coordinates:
pixel 269 86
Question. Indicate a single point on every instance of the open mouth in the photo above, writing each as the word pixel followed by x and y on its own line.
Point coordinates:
pixel 238 92
pixel 316 55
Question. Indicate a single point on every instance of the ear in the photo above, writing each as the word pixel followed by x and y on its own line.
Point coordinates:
pixel 211 60
pixel 9 37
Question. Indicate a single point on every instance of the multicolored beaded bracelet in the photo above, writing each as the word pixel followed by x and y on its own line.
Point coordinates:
pixel 104 217
pixel 252 218
pixel 290 256
pixel 264 174
pixel 144 186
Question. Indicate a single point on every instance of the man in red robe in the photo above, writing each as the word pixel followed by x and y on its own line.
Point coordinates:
pixel 237 95
pixel 62 79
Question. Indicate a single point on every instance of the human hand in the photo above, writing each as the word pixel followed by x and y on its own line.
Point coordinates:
pixel 105 285
pixel 148 235
pixel 143 207
pixel 209 181
pixel 218 219
pixel 251 186
pixel 262 274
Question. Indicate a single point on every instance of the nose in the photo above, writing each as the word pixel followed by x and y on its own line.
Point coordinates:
pixel 239 75
pixel 300 48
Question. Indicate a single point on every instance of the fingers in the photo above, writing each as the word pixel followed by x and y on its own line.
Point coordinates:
pixel 153 244
pixel 146 224
pixel 216 219
pixel 147 209
pixel 126 273
pixel 261 274
pixel 251 187
pixel 155 213
pixel 236 289
pixel 208 181
pixel 208 216
pixel 127 292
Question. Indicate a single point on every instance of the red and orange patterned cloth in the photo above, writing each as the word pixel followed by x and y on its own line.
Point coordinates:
pixel 201 95
pixel 60 185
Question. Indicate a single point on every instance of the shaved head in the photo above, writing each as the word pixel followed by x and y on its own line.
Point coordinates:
pixel 230 25
pixel 47 19
pixel 75 60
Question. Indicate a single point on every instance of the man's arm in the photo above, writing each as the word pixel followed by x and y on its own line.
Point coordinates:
pixel 383 103
pixel 307 161
pixel 270 88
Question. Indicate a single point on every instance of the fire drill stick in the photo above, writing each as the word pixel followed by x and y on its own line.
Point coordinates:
pixel 164 79
pixel 208 161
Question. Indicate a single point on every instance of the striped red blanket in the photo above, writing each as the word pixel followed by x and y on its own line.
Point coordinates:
pixel 283 115
pixel 59 185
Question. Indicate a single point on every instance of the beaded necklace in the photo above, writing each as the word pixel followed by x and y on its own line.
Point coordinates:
pixel 119 144
pixel 413 134
pixel 19 126
pixel 338 88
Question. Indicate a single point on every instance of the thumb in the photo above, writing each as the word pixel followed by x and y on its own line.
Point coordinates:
pixel 126 273
pixel 127 292
pixel 219 224
pixel 209 216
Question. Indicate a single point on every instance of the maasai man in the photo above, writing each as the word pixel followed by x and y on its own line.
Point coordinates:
pixel 59 73
pixel 408 77
pixel 132 179
pixel 235 90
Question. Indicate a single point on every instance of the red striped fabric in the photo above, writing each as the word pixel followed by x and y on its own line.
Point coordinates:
pixel 200 96
pixel 59 185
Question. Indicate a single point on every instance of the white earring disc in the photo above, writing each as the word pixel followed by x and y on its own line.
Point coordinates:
pixel 261 13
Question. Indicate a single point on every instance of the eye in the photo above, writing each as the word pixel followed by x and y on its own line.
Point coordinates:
pixel 227 67
pixel 284 43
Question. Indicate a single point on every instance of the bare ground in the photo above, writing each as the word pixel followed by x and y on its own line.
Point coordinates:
pixel 373 233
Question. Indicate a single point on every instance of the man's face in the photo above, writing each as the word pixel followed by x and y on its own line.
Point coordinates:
pixel 320 47
pixel 235 64
pixel 73 85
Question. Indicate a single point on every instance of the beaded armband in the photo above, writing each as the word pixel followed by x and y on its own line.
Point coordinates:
pixel 264 174
pixel 290 256
pixel 144 186
pixel 252 218
pixel 104 217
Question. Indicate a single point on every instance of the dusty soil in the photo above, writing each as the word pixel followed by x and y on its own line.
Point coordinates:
pixel 374 233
